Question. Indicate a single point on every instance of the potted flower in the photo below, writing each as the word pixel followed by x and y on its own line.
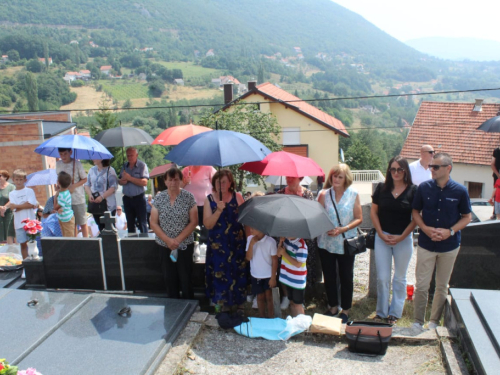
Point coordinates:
pixel 33 228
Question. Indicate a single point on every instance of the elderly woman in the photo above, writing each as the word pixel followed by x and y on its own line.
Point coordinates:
pixel 339 194
pixel 101 185
pixel 174 217
pixel 391 217
pixel 7 232
pixel 226 266
pixel 294 188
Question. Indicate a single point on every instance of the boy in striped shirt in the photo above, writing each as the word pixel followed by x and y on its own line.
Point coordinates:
pixel 293 272
pixel 62 204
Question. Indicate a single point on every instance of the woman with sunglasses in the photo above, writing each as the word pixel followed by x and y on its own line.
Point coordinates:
pixel 392 219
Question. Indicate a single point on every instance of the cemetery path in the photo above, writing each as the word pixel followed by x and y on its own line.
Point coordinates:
pixel 216 351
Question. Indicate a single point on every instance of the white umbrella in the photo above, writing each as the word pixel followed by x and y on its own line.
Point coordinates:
pixel 281 180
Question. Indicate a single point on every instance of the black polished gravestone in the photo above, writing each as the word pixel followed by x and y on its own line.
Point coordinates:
pixel 476 312
pixel 478 262
pixel 68 333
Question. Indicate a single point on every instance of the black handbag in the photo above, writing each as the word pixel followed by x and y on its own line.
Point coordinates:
pixel 370 338
pixel 354 245
pixel 370 239
pixel 98 209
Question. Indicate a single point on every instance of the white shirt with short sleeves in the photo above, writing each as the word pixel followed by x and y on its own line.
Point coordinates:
pixel 25 195
pixel 418 173
pixel 121 220
pixel 78 196
pixel 261 265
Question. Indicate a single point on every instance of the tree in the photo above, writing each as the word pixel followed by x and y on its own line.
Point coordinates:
pixel 156 88
pixel 359 157
pixel 34 66
pixel 13 55
pixel 127 104
pixel 260 75
pixel 247 119
pixel 46 54
pixel 31 92
pixel 107 119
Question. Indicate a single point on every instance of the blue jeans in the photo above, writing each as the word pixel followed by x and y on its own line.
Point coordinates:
pixel 383 259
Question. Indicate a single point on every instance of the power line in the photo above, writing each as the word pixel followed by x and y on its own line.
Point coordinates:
pixel 267 102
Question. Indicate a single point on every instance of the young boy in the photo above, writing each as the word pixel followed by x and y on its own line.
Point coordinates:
pixel 293 272
pixel 23 202
pixel 495 199
pixel 62 204
pixel 262 254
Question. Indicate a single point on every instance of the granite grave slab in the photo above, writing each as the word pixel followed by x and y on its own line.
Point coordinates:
pixel 476 313
pixel 478 262
pixel 112 335
pixel 8 277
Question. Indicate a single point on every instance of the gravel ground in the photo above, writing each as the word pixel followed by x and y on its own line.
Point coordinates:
pixel 224 352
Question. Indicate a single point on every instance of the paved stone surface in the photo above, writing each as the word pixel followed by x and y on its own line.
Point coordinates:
pixel 216 351
pixel 452 358
pixel 199 317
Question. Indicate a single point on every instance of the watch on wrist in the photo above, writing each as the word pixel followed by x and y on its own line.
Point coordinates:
pixel 452 232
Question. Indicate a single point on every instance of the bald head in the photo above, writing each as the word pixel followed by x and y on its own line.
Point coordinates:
pixel 426 154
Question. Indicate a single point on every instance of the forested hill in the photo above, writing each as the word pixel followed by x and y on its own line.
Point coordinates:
pixel 248 27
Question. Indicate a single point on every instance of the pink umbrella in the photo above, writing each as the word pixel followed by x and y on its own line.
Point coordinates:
pixel 176 134
pixel 284 163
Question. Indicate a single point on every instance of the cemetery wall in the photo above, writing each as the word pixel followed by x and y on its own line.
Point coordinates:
pixel 47 116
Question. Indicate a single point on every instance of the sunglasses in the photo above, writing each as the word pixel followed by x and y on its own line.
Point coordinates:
pixel 437 166
pixel 431 152
pixel 398 170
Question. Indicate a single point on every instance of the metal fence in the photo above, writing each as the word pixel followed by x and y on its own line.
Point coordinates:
pixel 368 176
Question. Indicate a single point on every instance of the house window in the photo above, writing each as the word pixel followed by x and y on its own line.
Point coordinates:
pixel 291 136
pixel 475 189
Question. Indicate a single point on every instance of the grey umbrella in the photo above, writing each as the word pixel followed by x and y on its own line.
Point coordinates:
pixel 280 215
pixel 491 125
pixel 123 136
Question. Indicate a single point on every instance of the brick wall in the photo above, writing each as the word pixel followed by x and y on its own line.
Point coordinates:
pixel 49 116
pixel 13 132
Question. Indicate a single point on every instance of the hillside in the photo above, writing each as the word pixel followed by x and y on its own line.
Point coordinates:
pixel 458 48
pixel 247 27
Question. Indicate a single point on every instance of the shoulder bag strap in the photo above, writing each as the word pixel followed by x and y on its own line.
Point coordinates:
pixel 335 206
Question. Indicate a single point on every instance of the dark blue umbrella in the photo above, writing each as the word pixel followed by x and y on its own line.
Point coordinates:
pixel 84 148
pixel 45 177
pixel 218 148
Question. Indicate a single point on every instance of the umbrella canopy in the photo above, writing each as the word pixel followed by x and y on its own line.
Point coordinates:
pixel 280 215
pixel 281 180
pixel 219 147
pixel 284 163
pixel 123 137
pixel 176 134
pixel 84 148
pixel 491 125
pixel 45 177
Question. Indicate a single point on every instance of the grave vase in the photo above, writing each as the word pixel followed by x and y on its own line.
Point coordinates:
pixel 33 249
pixel 196 252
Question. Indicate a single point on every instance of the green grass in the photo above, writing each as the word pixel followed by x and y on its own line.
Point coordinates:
pixel 189 70
pixel 123 90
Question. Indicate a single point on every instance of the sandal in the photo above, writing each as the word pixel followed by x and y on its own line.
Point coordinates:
pixel 330 313
pixel 378 318
pixel 392 319
pixel 344 318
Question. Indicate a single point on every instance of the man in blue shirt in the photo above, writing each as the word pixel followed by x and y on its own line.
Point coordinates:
pixel 134 178
pixel 441 208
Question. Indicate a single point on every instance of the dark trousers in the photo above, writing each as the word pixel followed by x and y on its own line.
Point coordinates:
pixel 98 220
pixel 345 264
pixel 178 275
pixel 135 208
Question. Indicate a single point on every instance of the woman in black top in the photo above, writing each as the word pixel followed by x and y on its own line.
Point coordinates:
pixel 391 217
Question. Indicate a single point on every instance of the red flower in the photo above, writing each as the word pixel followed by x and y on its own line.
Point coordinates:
pixel 38 227
pixel 37 222
pixel 26 228
pixel 1 366
pixel 31 224
pixel 32 231
pixel 25 220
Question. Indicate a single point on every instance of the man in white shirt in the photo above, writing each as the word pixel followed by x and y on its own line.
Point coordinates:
pixel 419 169
pixel 121 220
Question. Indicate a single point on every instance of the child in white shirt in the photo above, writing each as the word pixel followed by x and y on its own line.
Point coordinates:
pixel 262 254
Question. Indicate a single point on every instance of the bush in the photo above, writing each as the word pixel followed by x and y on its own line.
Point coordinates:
pixel 77 83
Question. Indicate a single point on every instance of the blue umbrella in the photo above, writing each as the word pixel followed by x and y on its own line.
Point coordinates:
pixel 219 147
pixel 84 148
pixel 45 177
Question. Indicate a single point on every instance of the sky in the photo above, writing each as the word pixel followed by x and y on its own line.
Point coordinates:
pixel 407 20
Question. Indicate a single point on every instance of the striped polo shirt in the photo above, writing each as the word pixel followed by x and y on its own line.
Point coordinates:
pixel 64 200
pixel 294 277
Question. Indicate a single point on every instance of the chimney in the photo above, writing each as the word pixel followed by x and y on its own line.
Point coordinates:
pixel 478 105
pixel 228 93
pixel 252 85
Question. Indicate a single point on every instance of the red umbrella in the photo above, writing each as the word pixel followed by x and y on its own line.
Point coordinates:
pixel 284 163
pixel 176 134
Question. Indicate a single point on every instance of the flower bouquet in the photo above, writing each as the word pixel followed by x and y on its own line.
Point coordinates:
pixel 33 228
pixel 6 369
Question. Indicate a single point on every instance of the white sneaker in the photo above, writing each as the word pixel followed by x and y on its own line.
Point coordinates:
pixel 249 297
pixel 417 327
pixel 254 304
pixel 23 276
pixel 285 303
pixel 432 325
